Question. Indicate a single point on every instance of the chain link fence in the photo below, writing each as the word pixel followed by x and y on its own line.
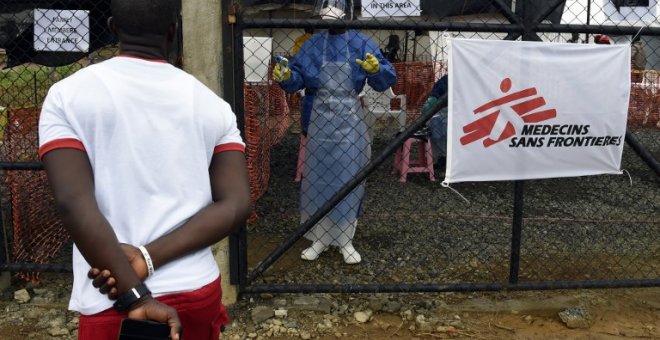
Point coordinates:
pixel 41 42
pixel 412 234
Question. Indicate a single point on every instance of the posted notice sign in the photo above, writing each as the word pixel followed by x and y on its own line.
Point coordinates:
pixel 525 110
pixel 390 8
pixel 61 30
pixel 628 11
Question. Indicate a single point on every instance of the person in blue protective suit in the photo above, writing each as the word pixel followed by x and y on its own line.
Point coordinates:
pixel 333 66
pixel 307 100
pixel 438 123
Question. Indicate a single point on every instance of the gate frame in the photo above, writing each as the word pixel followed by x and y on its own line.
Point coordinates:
pixel 521 24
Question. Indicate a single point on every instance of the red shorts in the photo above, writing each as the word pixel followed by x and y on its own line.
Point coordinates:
pixel 201 313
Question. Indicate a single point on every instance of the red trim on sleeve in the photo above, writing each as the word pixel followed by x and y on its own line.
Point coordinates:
pixel 64 143
pixel 229 147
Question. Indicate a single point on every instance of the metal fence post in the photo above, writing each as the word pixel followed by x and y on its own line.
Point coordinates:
pixel 232 86
pixel 4 251
pixel 516 231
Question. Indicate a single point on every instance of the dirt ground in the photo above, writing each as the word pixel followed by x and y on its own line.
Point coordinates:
pixel 612 314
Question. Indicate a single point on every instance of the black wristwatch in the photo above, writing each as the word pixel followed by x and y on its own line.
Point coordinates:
pixel 133 295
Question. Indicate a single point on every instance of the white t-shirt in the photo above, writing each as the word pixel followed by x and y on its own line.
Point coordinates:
pixel 150 131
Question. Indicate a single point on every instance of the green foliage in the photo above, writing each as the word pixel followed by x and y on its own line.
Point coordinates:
pixel 26 85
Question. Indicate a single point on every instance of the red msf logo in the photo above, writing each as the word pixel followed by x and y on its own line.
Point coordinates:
pixel 485 127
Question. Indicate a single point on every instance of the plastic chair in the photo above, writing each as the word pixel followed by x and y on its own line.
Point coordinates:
pixel 404 164
pixel 379 105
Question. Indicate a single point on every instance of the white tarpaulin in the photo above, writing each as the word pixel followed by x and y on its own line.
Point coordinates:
pixel 61 30
pixel 390 8
pixel 525 110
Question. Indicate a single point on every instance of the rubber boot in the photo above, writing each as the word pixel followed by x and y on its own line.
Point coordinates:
pixel 351 256
pixel 312 253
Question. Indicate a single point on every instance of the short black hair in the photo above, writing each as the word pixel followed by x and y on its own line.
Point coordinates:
pixel 636 38
pixel 137 17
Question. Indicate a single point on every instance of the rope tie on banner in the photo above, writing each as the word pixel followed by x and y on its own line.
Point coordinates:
pixel 636 34
pixel 445 184
pixel 629 177
pixel 446 35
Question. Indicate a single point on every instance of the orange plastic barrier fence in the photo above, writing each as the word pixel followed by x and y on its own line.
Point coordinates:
pixel 267 120
pixel 37 233
pixel 644 109
pixel 415 80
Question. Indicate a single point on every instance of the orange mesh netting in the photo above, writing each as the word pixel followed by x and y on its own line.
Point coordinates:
pixel 644 109
pixel 38 233
pixel 266 123
pixel 415 79
pixel 278 113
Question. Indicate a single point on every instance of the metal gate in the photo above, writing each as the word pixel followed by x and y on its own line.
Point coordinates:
pixel 596 231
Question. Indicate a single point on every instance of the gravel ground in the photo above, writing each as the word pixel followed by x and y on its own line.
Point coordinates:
pixel 39 312
pixel 594 227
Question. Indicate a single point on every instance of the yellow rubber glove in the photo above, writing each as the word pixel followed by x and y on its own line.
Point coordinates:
pixel 281 71
pixel 370 63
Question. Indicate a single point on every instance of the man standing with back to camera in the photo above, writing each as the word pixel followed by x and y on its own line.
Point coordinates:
pixel 148 171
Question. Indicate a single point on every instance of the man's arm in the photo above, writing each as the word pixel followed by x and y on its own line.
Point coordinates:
pixel 71 179
pixel 231 208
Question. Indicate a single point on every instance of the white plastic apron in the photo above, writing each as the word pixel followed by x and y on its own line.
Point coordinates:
pixel 337 148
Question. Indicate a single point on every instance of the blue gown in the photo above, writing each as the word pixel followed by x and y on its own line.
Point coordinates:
pixel 337 146
pixel 305 65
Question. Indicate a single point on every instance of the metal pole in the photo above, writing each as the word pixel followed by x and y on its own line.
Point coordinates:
pixel 405 48
pixel 5 275
pixel 4 247
pixel 34 78
pixel 516 231
pixel 455 287
pixel 518 186
pixel 644 154
pixel 233 74
pixel 239 108
pixel 586 35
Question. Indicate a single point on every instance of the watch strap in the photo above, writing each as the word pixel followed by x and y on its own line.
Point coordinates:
pixel 129 298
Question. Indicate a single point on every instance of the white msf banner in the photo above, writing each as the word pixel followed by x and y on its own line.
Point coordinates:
pixel 526 110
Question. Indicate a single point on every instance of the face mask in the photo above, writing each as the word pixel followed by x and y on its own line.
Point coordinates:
pixel 331 13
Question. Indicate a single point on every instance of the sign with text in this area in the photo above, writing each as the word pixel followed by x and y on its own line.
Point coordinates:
pixel 390 8
pixel 526 110
pixel 61 30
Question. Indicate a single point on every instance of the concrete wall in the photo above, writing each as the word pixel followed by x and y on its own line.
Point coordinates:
pixel 202 48
pixel 202 41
